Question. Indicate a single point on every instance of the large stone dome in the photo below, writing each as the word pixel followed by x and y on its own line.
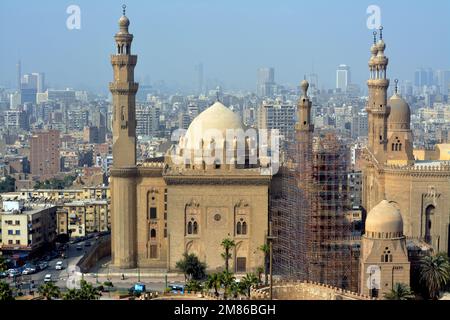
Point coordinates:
pixel 384 221
pixel 400 112
pixel 216 118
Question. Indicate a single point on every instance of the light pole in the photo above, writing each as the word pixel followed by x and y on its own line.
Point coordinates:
pixel 270 239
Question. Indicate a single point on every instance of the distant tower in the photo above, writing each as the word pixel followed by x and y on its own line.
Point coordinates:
pixel 377 106
pixel 200 76
pixel 123 173
pixel 343 77
pixel 19 75
pixel 384 256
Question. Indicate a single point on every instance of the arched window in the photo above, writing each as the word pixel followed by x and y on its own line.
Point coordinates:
pixel 429 212
pixel 400 147
pixel 244 227
pixel 195 227
pixel 238 228
pixel 393 145
pixel 152 233
pixel 189 228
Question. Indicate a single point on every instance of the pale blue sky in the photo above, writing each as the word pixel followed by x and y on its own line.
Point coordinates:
pixel 231 37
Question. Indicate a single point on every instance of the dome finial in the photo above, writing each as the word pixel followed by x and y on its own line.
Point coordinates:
pixel 396 86
pixel 381 32
pixel 374 37
pixel 124 9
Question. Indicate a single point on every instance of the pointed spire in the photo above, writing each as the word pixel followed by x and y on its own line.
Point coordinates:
pixel 381 32
pixel 374 37
pixel 396 86
pixel 124 9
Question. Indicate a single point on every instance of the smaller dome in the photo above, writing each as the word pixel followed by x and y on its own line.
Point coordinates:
pixel 374 50
pixel 400 111
pixel 381 46
pixel 384 221
pixel 124 22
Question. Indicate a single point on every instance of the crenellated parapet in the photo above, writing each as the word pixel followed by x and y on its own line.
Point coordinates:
pixel 305 290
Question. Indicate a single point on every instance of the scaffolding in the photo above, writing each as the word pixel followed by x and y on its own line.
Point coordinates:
pixel 314 237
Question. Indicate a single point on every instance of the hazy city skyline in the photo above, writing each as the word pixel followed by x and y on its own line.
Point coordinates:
pixel 232 40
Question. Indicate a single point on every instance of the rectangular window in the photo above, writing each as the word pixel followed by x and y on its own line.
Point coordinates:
pixel 17 241
pixel 241 264
pixel 10 232
pixel 152 213
pixel 17 232
pixel 153 251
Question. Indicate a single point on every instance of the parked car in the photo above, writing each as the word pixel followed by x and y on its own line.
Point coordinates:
pixel 48 278
pixel 28 271
pixel 79 247
pixel 14 272
pixel 87 244
pixel 59 265
pixel 43 265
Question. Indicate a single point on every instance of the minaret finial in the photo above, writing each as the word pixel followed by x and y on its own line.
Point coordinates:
pixel 381 32
pixel 374 37
pixel 217 96
pixel 124 9
pixel 396 86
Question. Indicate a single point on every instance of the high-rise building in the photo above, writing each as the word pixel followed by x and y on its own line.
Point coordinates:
pixel 265 82
pixel 19 75
pixel 147 118
pixel 44 153
pixel 279 116
pixel 443 81
pixel 343 77
pixel 40 81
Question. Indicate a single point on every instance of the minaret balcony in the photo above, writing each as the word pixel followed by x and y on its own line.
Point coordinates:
pixel 123 87
pixel 123 60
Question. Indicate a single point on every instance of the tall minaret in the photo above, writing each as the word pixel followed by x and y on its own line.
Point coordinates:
pixel 304 134
pixel 123 172
pixel 377 106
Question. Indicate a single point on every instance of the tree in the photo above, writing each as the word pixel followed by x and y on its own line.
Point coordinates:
pixel 6 293
pixel 213 282
pixel 49 291
pixel 266 249
pixel 259 271
pixel 400 292
pixel 434 274
pixel 72 294
pixel 3 264
pixel 194 286
pixel 192 267
pixel 227 245
pixel 8 184
pixel 88 291
pixel 248 282
pixel 226 279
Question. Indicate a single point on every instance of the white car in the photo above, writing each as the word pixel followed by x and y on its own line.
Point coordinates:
pixel 59 265
pixel 48 278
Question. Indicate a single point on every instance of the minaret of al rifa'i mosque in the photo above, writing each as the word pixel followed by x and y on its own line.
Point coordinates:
pixel 377 105
pixel 123 173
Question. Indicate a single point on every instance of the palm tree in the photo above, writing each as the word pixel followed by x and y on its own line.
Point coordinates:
pixel 226 279
pixel 88 291
pixel 266 249
pixel 194 286
pixel 6 293
pixel 49 291
pixel 248 282
pixel 434 274
pixel 213 282
pixel 72 294
pixel 227 244
pixel 400 292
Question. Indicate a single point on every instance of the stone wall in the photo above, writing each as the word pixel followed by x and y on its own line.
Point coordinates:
pixel 304 290
pixel 100 250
